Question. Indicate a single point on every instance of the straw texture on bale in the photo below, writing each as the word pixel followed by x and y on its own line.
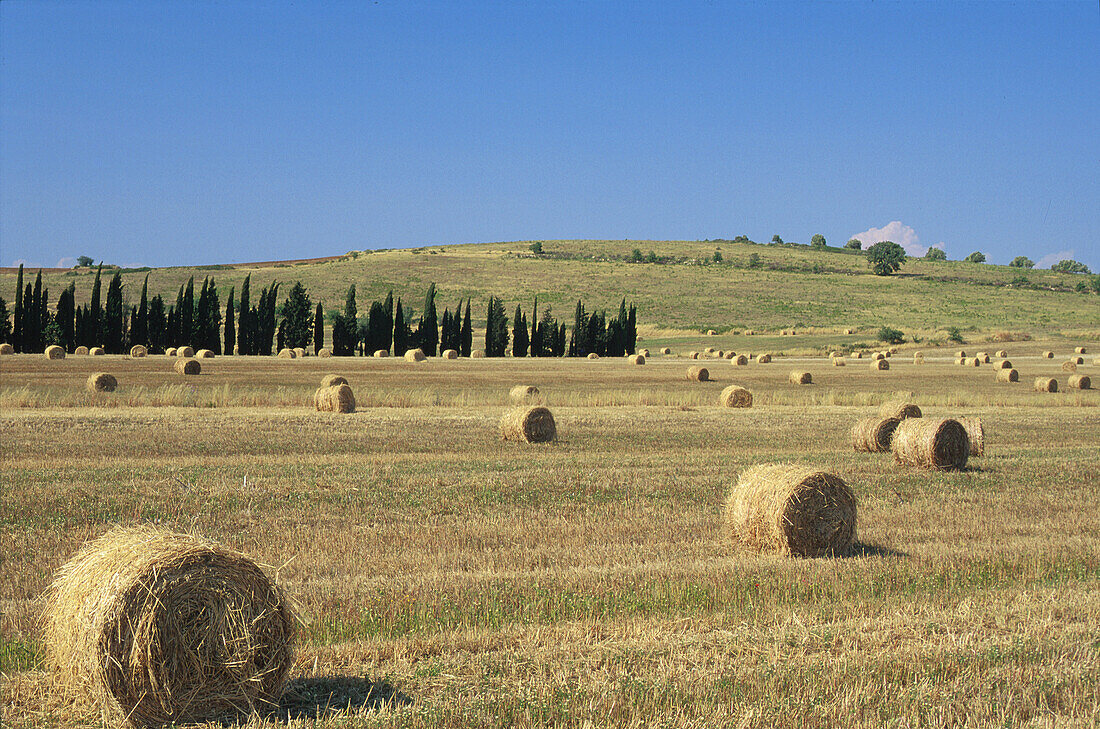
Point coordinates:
pixel 1069 366
pixel 1046 384
pixel 983 356
pixel 97 351
pixel 975 431
pixel 1080 350
pixel 101 382
pixel 330 380
pixel 522 394
pixel 878 355
pixel 299 352
pixel 138 351
pixel 735 396
pixel 185 352
pixel 643 352
pixel 161 628
pixel 1078 360
pixel 730 355
pixel 1048 354
pixel 637 359
pixel 286 353
pixel 698 374
pixel 188 366
pixel 1003 364
pixel 170 352
pixel 763 358
pixel 839 362
pixel 880 364
pixel 324 352
pixel 800 377
pixel 380 353
pixel 929 443
pixel 529 425
pixel 711 333
pixel 791 510
pixel 873 435
pixel 710 350
pixel 414 355
pixel 858 355
pixel 960 354
pixel 449 354
pixel 1009 375
pixel 693 355
pixel 740 360
pixel 477 354
pixel 593 355
pixel 54 352
pixel 1002 353
pixel 337 398
pixel 6 348
pixel 666 350
pixel 1080 382
pixel 899 409
pixel 205 354
pixel 973 362
pixel 918 357
pixel 849 331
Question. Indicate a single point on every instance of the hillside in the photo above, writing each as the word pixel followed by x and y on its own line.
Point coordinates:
pixel 763 287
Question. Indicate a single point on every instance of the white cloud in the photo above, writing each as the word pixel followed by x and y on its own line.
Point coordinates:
pixel 1049 260
pixel 899 233
pixel 24 263
pixel 66 262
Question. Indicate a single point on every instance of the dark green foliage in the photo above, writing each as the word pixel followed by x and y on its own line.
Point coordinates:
pixel 84 262
pixel 318 328
pixel 113 317
pixel 890 335
pixel 496 329
pixel 651 257
pixel 630 336
pixel 885 257
pixel 578 340
pixel 754 260
pixel 1022 262
pixel 717 257
pixel 534 343
pixel 280 336
pixel 388 320
pixel 467 332
pixel 401 333
pixel 245 324
pixel 1094 283
pixel 51 332
pixel 975 257
pixel 230 333
pixel 66 317
pixel 1070 266
pixel 185 315
pixel 297 311
pixel 427 331
pixel 378 330
pixel 636 256
pixel 536 247
pixel 208 318
pixel 157 325
pixel 777 240
pixel 935 254
pixel 547 335
pixel 345 326
pixel 520 340
pixel 854 244
pixel 954 335
pixel 263 319
pixel 139 322
pixel 818 241
pixel 17 314
pixel 5 325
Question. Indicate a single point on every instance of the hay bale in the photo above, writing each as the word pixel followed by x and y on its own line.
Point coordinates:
pixel 415 355
pixel 643 352
pixel 800 377
pixel 160 628
pixel 975 432
pixel 138 351
pixel 858 355
pixel 1078 360
pixel 188 366
pixel 960 354
pixel 97 352
pixel 1080 350
pixel 1003 364
pixel 930 443
pixel 763 358
pixel 54 352
pixel 918 357
pixel 593 355
pixel 711 333
pixel 636 359
pixel 878 355
pixel 170 352
pixel 324 352
pixel 1002 353
pixel 185 352
pixel 380 353
pixel 449 354
pixel 336 398
pixel 740 360
pixel 666 350
pixel 286 353
pixel 1096 361
pixel 300 352
pixel 873 435
pixel 693 355
pixel 698 374
pixel 333 380
pixel 899 409
pixel 477 354
pixel 6 348
pixel 524 394
pixel 205 354
pixel 529 425
pixel 709 350
pixel 1069 366
pixel 839 362
pixel 1009 375
pixel 983 356
pixel 849 331
pixel 1048 354
pixel 735 396
pixel 101 382
pixel 1046 384
pixel 1080 382
pixel 889 353
pixel 793 510
pixel 730 355
pixel 879 364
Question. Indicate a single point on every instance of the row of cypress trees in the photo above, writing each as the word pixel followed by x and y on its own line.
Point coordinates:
pixel 389 324
pixel 545 337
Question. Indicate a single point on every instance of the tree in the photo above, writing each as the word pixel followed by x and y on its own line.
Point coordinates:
pixel 935 254
pixel 777 240
pixel 1070 266
pixel 1094 283
pixel 139 324
pixel 94 313
pixel 113 317
pixel 885 257
pixel 158 324
pixel 975 257
pixel 263 319
pixel 185 315
pixel 496 329
pixel 651 257
pixel 296 317
pixel 854 244
pixel 5 325
pixel 717 257
pixel 579 345
pixel 230 329
pixel 754 260
pixel 401 332
pixel 1022 262
pixel 318 329
pixel 84 262
pixel 467 332
pixel 891 335
pixel 519 334
pixel 428 330
pixel 536 247
pixel 636 256
pixel 17 314
pixel 66 317
pixel 244 320
pixel 818 241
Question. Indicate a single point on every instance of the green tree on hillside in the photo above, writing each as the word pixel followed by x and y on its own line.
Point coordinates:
pixel 244 320
pixel 818 241
pixel 84 262
pixel 885 257
pixel 467 332
pixel 1070 266
pixel 1022 262
pixel 975 257
pixel 777 240
pixel 854 244
pixel 230 327
pixel 296 315
pixel 520 339
pixel 113 317
pixel 935 254
pixel 318 328
pixel 5 325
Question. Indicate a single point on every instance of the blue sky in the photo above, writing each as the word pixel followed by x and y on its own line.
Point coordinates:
pixel 202 132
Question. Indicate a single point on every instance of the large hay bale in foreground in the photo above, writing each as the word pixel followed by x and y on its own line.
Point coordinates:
pixel 1009 375
pixel 449 354
pixel 698 374
pixel 185 352
pixel 872 435
pixel 593 355
pixel 97 352
pixel 1048 354
pixel 879 364
pixel 735 396
pixel 524 394
pixel 529 425
pixel 740 360
pixel 975 431
pixel 899 409
pixel 54 352
pixel 161 628
pixel 170 352
pixel 380 353
pixel 286 353
pixel 763 358
pixel 188 366
pixel 414 355
pixel 6 348
pixel 637 359
pixel 336 398
pixel 1046 384
pixel 332 380
pixel 800 377
pixel 1080 382
pixel 324 352
pixel 1069 366
pixel 101 382
pixel 205 354
pixel 138 351
pixel 1002 353
pixel 929 443
pixel 792 510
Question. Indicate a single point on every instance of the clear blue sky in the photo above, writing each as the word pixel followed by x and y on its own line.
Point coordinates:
pixel 163 133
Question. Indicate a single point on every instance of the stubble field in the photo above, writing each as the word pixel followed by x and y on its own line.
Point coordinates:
pixel 447 578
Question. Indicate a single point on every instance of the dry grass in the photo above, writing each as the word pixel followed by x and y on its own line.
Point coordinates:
pixel 524 394
pixel 975 431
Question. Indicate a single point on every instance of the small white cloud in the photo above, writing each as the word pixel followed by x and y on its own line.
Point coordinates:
pixel 24 263
pixel 66 262
pixel 1049 260
pixel 897 232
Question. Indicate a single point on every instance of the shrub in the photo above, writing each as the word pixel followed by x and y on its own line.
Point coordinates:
pixel 954 335
pixel 651 257
pixel 536 247
pixel 975 257
pixel 891 335
pixel 818 241
pixel 855 244
pixel 717 257
pixel 1070 266
pixel 1022 262
pixel 935 254
pixel 754 260
pixel 636 256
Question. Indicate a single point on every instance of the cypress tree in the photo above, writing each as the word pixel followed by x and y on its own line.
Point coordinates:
pixel 230 329
pixel 200 325
pixel 318 328
pixel 128 329
pixel 66 317
pixel 429 324
pixel 5 325
pixel 34 316
pixel 535 344
pixel 175 338
pixel 114 316
pixel 171 331
pixel 376 333
pixel 94 315
pixel 631 330
pixel 17 315
pixel 387 333
pixel 244 329
pixel 400 332
pixel 296 317
pixel 265 319
pixel 559 341
pixel 213 320
pixel 467 332
pixel 519 334
pixel 185 315
pixel 280 336
pixel 445 330
pixel 139 326
pixel 579 346
pixel 496 329
pixel 157 325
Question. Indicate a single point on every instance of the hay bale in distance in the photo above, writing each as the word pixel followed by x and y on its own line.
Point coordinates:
pixel 6 348
pixel 170 352
pixel 975 431
pixel 791 510
pixel 918 357
pixel 698 374
pixel 637 359
pixel 960 354
pixel 644 352
pixel 1080 350
pixel 800 377
pixel 101 382
pixel 380 353
pixel 879 364
pixel 930 443
pixel 1002 353
pixel 205 354
pixel 1009 375
pixel 286 353
pixel 873 435
pixel 336 398
pixel 763 358
pixel 711 333
pixel 839 362
pixel 1046 384
pixel 982 356
pixel 324 352
pixel 449 354
pixel 188 366
pixel 54 352
pixel 529 425
pixel 163 628
pixel 1069 366
pixel 1078 360
pixel 185 352
pixel 740 360
pixel 666 350
pixel 735 396
pixel 300 352
pixel 858 355
pixel 138 351
pixel 709 350
pixel 849 331
pixel 878 355
pixel 593 355
pixel 477 354
pixel 97 352
pixel 1003 364
pixel 1080 382
pixel 415 355
pixel 693 355
pixel 524 394
pixel 333 380
pixel 1048 354
pixel 899 409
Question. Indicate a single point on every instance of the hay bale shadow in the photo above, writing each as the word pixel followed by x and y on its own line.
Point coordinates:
pixel 867 549
pixel 316 698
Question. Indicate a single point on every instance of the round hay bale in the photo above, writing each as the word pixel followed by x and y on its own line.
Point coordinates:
pixel 709 350
pixel 1080 350
pixel 524 394
pixel 162 628
pixel 380 353
pixel 693 355
pixel 735 396
pixel 698 374
pixel 185 352
pixel 170 352
pixel 54 352
pixel 740 360
pixel 983 356
pixel 666 350
pixel 975 431
pixel 593 355
pixel 1078 360
pixel 918 357
pixel 1069 366
pixel 101 382
pixel 188 366
pixel 800 377
pixel 839 362
pixel 899 409
pixel 1002 353
pixel 880 364
pixel 324 352
pixel 138 351
pixel 1009 375
pixel 333 380
pixel 961 353
pixel 415 355
pixel 791 510
pixel 97 352
pixel 477 354
pixel 711 333
pixel 643 352
pixel 849 331
pixel 335 398
pixel 300 352
pixel 637 359
pixel 449 354
pixel 763 358
pixel 1046 384
pixel 205 354
pixel 878 355
pixel 1003 364
pixel 858 355
pixel 1080 382
pixel 888 353
pixel 286 353
pixel 529 425
pixel 930 443
pixel 872 435
pixel 6 348
pixel 730 355
pixel 81 350
pixel 1048 354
